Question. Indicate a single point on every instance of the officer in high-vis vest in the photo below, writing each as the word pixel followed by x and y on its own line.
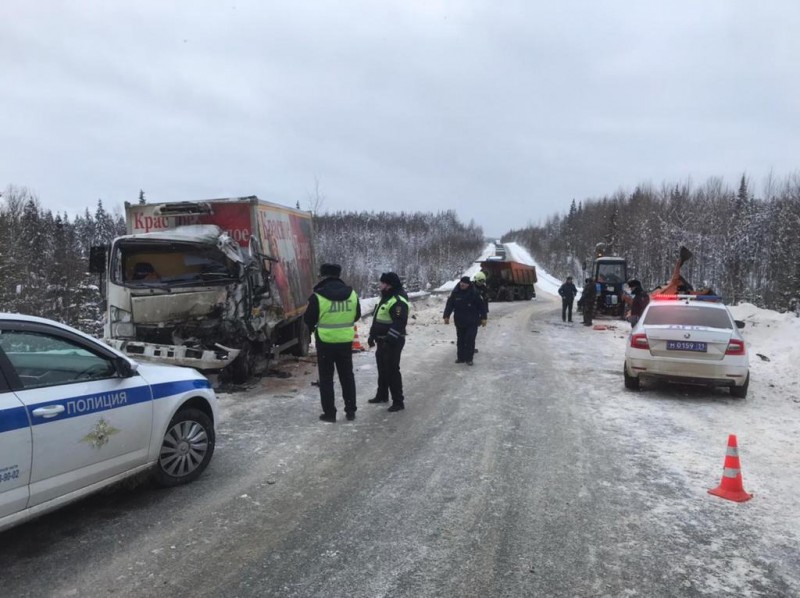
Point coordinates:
pixel 388 331
pixel 332 312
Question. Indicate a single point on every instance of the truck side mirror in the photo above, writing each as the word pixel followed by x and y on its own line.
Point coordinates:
pixel 98 257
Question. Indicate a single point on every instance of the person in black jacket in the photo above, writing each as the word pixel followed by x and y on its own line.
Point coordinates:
pixel 587 301
pixel 388 332
pixel 639 301
pixel 332 311
pixel 469 311
pixel 483 290
pixel 567 292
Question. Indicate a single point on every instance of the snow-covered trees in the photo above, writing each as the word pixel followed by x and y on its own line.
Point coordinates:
pixel 423 248
pixel 44 259
pixel 744 247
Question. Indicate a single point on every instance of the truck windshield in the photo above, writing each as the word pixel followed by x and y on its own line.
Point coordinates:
pixel 611 272
pixel 160 264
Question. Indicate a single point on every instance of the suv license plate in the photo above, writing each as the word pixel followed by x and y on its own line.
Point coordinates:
pixel 686 346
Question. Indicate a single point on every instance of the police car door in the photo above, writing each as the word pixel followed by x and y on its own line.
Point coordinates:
pixel 15 450
pixel 88 421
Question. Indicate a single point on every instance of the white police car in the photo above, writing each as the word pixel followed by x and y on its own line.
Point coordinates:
pixel 688 339
pixel 77 415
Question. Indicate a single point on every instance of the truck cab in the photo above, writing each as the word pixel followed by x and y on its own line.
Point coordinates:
pixel 610 273
pixel 217 285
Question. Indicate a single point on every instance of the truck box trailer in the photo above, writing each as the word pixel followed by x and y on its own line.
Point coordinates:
pixel 218 285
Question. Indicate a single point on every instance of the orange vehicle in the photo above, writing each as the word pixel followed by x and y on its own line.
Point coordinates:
pixel 509 281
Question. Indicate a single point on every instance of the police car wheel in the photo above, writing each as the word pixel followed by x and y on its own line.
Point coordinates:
pixel 186 448
pixel 631 383
pixel 740 392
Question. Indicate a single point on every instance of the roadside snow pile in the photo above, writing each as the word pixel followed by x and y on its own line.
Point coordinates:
pixel 544 282
pixel 774 350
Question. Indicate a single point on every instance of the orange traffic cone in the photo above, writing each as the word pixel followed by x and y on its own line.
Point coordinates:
pixel 357 346
pixel 731 487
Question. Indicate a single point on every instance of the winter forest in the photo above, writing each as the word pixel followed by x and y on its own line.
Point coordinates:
pixel 745 245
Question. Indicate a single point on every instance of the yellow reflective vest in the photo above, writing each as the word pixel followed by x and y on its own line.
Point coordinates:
pixel 337 319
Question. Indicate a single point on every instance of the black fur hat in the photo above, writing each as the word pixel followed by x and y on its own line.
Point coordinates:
pixel 330 270
pixel 392 279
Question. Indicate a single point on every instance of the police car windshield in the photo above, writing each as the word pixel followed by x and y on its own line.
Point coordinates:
pixel 679 314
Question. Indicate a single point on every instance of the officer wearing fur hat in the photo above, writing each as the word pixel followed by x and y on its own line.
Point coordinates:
pixel 332 312
pixel 388 332
pixel 469 311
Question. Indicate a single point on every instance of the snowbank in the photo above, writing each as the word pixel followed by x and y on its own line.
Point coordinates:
pixel 471 271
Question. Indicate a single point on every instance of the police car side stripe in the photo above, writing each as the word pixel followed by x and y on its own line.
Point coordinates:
pixel 167 389
pixel 93 403
pixel 13 419
pixel 17 417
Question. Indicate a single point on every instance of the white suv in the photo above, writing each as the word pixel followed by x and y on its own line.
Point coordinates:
pixel 691 340
pixel 77 415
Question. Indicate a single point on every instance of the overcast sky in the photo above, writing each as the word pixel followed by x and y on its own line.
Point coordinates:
pixel 503 111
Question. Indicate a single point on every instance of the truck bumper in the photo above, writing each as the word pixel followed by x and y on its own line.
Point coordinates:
pixel 199 359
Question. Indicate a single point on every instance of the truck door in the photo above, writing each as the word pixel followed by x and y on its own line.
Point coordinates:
pixel 15 450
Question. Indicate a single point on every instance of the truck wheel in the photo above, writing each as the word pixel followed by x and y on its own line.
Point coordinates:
pixel 303 339
pixel 631 383
pixel 186 448
pixel 242 367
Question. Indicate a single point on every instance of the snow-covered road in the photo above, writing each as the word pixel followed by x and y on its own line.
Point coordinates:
pixel 532 473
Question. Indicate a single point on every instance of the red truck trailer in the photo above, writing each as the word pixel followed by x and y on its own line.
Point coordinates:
pixel 508 280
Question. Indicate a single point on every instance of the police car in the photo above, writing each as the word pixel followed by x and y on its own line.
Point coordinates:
pixel 688 339
pixel 77 415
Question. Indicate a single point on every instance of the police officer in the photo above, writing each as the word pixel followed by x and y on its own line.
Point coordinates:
pixel 567 292
pixel 332 312
pixel 469 311
pixel 587 300
pixel 483 290
pixel 388 331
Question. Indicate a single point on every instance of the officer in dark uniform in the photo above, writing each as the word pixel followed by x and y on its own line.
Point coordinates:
pixel 388 331
pixel 567 292
pixel 469 311
pixel 587 301
pixel 483 290
pixel 332 312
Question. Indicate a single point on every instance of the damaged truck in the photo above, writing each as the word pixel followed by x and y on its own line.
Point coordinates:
pixel 218 285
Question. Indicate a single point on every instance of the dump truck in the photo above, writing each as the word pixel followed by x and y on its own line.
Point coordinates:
pixel 219 285
pixel 508 280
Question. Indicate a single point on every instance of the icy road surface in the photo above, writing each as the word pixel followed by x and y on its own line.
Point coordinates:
pixel 532 473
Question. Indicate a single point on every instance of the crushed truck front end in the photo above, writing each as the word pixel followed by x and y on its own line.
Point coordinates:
pixel 177 297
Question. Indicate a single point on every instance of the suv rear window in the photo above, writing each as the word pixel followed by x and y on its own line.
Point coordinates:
pixel 687 315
